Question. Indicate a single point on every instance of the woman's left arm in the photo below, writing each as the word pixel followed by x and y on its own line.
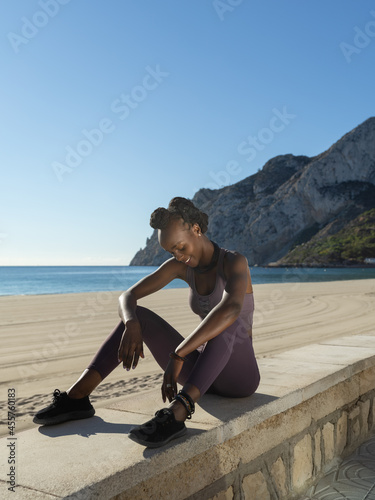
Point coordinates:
pixel 226 311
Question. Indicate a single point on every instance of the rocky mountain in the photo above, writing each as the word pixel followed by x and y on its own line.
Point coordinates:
pixel 289 201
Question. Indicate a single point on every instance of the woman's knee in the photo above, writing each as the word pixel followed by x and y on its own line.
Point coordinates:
pixel 144 314
pixel 142 311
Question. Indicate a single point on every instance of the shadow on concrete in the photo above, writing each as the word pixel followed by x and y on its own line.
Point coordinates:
pixel 85 428
pixel 226 409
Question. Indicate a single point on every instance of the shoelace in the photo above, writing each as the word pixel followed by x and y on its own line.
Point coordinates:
pixel 164 417
pixel 161 419
pixel 56 395
pixel 162 414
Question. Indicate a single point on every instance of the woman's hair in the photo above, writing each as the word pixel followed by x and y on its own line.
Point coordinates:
pixel 179 208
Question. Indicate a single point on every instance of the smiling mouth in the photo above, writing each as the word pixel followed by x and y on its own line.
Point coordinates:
pixel 187 261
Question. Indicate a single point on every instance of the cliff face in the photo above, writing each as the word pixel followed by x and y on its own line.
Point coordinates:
pixel 289 201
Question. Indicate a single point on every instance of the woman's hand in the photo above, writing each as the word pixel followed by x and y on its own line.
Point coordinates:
pixel 169 386
pixel 131 345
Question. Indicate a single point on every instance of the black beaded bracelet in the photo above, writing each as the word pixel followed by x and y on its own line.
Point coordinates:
pixel 190 400
pixel 186 401
pixel 174 355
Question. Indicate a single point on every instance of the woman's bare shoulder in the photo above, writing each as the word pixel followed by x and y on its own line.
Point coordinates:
pixel 234 262
pixel 173 266
pixel 232 257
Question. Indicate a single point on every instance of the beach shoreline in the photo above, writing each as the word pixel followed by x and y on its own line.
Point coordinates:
pixel 48 340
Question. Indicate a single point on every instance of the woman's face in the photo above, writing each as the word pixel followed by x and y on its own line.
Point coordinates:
pixel 181 241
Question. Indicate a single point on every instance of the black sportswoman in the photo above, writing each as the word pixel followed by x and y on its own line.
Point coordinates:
pixel 216 357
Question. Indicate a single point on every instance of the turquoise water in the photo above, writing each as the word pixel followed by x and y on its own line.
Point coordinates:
pixel 23 280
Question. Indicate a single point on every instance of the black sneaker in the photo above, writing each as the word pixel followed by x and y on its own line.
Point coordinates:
pixel 159 430
pixel 64 408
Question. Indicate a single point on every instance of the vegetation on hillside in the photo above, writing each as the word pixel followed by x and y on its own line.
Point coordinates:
pixel 350 246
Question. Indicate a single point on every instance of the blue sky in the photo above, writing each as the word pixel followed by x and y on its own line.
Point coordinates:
pixel 110 109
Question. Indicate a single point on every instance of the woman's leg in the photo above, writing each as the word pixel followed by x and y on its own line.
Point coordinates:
pixel 161 338
pixel 103 363
pixel 86 383
pixel 227 366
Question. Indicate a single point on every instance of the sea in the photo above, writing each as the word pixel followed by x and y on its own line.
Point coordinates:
pixel 40 280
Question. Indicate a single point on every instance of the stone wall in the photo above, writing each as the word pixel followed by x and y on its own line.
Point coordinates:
pixel 279 458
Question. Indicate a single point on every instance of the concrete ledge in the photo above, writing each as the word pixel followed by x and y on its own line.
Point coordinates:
pixel 314 404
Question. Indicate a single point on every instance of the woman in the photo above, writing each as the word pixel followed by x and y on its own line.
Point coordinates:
pixel 216 357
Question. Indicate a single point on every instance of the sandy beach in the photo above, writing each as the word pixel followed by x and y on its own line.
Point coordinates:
pixel 48 340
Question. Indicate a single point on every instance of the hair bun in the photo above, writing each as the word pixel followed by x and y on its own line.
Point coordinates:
pixel 159 218
pixel 179 208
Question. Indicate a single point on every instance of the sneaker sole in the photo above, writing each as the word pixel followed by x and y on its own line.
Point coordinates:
pixel 59 419
pixel 178 434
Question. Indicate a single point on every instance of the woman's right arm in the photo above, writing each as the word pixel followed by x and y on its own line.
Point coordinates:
pixel 131 345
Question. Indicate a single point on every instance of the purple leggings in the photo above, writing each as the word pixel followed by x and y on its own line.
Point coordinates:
pixel 227 366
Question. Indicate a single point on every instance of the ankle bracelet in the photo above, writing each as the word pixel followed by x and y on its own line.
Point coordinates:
pixel 187 401
pixel 189 398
